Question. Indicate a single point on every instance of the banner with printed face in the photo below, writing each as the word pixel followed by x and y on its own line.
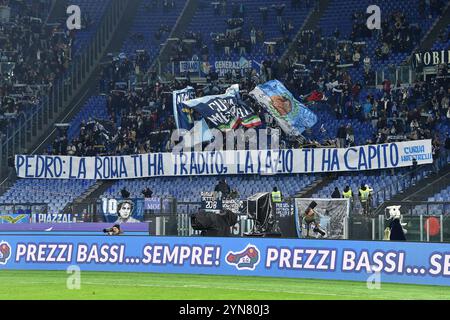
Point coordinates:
pixel 389 261
pixel 132 210
pixel 292 116
pixel 284 161
pixel 121 210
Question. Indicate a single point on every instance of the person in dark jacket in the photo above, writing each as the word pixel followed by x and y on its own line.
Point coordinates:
pixel 223 187
pixel 341 135
pixel 125 193
pixel 147 192
pixel 336 194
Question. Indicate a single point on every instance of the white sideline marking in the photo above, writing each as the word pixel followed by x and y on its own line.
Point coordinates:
pixel 211 287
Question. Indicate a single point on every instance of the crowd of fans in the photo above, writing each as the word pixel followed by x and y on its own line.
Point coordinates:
pixel 140 116
pixel 242 33
pixel 32 55
pixel 318 71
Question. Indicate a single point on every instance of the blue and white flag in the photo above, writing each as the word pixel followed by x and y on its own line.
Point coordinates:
pixel 225 111
pixel 183 116
pixel 217 110
pixel 292 116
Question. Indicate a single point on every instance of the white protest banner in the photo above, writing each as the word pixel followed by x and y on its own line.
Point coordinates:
pixel 284 161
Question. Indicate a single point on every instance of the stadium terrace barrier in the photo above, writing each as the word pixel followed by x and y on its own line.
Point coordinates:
pixel 430 227
pixel 70 227
pixel 401 74
pixel 369 261
pixel 423 228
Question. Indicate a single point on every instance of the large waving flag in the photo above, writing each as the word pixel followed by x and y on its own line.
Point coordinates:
pixel 216 110
pixel 184 115
pixel 292 116
pixel 247 117
pixel 224 111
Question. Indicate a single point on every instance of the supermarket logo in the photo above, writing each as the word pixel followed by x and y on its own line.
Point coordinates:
pixel 246 259
pixel 5 252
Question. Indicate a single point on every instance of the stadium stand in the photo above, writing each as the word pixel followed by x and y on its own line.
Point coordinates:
pixel 202 149
pixel 250 25
pixel 437 204
pixel 443 195
pixel 443 41
pixel 33 55
pixel 350 110
pixel 151 27
pixel 55 193
pixel 189 192
pixel 406 23
pixel 92 14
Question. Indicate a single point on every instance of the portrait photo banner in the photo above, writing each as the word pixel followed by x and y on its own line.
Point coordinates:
pixel 292 116
pixel 386 261
pixel 235 162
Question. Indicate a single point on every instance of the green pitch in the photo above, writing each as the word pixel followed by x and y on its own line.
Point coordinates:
pixel 31 285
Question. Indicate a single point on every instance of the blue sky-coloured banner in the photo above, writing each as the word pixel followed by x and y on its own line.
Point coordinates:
pixel 292 116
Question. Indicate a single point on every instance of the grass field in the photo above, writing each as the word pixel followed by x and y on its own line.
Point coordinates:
pixel 33 285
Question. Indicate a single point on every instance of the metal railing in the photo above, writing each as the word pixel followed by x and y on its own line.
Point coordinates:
pixel 425 221
pixel 401 74
pixel 406 181
pixel 420 228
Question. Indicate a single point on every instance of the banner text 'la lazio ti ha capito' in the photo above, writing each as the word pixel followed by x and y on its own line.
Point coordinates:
pixel 285 161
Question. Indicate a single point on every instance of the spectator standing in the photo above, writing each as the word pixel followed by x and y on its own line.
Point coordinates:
pixel 125 193
pixel 435 150
pixel 341 136
pixel 364 193
pixel 264 13
pixel 147 192
pixel 279 11
pixel 447 146
pixel 367 109
pixel 350 136
pixel 356 58
pixel 253 36
pixel 367 64
pixel 223 187
pixel 336 194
